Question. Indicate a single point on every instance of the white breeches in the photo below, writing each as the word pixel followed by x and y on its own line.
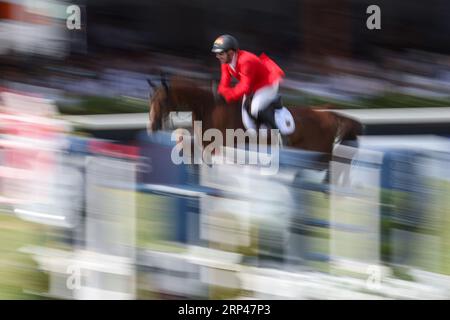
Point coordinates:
pixel 262 98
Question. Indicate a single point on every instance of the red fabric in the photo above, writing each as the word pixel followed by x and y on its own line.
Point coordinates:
pixel 113 150
pixel 252 72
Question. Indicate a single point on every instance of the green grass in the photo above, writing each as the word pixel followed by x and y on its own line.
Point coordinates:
pixel 386 100
pixel 18 271
pixel 102 105
pixel 85 105
pixel 397 100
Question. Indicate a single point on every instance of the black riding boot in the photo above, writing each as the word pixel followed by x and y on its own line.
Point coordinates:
pixel 267 116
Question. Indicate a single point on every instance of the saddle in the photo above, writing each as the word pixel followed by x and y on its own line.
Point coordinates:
pixel 266 116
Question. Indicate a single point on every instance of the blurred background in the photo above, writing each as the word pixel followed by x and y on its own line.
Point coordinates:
pixel 91 206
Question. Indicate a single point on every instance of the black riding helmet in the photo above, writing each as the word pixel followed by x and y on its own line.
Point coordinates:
pixel 225 43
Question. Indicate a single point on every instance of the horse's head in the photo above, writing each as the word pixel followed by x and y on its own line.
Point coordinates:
pixel 159 105
pixel 183 95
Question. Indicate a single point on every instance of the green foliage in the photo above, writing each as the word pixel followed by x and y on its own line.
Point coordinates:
pixel 105 105
pixel 102 105
pixel 19 273
pixel 386 100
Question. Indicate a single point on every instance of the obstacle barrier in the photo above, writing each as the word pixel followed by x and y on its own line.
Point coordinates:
pixel 181 230
pixel 414 210
pixel 96 222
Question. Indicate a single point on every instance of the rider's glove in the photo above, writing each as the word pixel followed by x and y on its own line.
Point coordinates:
pixel 221 99
pixel 222 93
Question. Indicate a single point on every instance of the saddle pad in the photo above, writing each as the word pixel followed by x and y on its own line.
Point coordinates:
pixel 284 121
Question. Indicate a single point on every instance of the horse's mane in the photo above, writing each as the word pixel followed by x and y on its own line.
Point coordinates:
pixel 189 95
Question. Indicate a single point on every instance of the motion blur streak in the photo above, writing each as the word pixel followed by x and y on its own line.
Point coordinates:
pixel 93 207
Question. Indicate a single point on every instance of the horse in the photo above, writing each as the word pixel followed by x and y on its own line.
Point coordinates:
pixel 316 128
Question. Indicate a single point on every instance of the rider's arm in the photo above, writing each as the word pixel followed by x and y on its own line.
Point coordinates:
pixel 242 88
pixel 225 79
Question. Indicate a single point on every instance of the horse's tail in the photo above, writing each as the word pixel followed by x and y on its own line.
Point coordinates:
pixel 347 129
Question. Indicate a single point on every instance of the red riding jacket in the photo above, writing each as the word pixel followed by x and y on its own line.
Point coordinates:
pixel 252 72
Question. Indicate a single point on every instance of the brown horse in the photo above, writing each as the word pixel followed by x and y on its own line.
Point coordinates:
pixel 316 128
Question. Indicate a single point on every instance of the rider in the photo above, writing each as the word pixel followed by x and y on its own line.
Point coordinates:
pixel 259 76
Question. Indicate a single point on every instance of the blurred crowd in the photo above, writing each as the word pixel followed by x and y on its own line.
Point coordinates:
pixel 324 47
